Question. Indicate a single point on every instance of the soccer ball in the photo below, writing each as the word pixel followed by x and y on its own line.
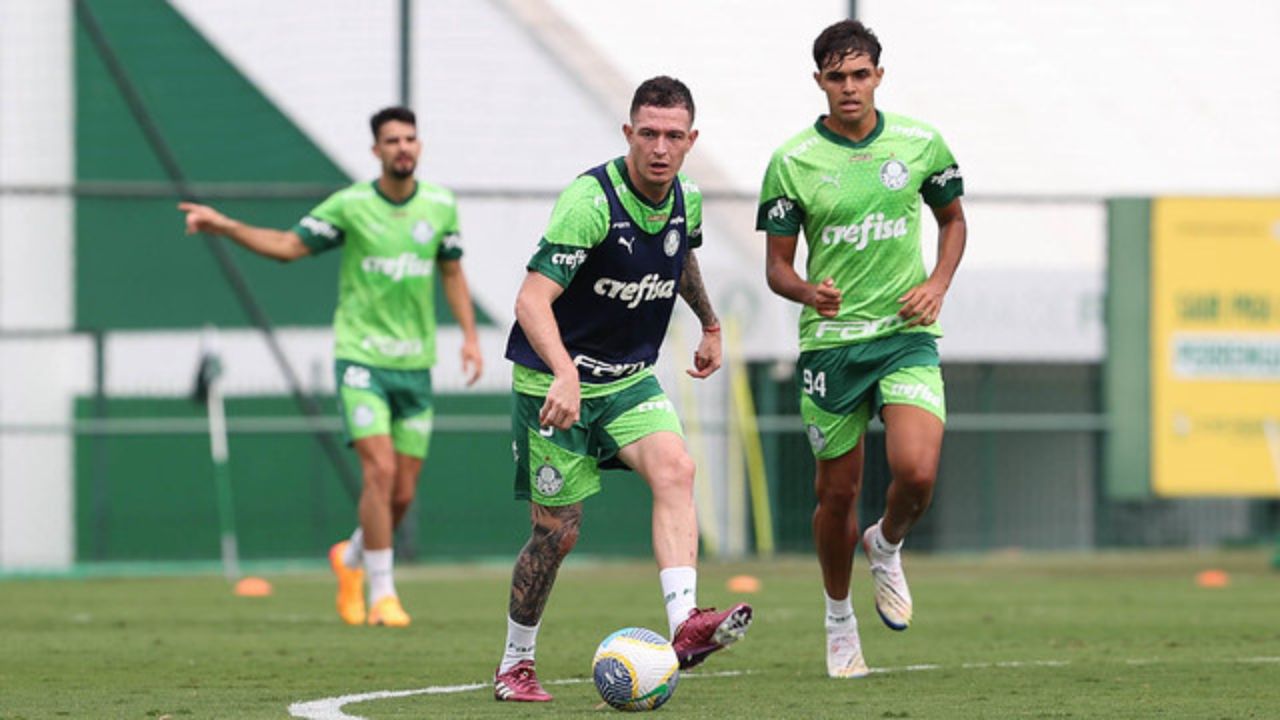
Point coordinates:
pixel 635 669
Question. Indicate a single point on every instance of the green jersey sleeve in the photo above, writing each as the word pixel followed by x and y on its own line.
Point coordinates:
pixel 450 236
pixel 780 212
pixel 325 227
pixel 945 182
pixel 579 222
pixel 692 210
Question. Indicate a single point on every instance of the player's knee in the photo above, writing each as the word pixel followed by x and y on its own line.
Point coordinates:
pixel 916 478
pixel 558 542
pixel 674 477
pixel 557 534
pixel 379 478
pixel 400 503
pixel 838 497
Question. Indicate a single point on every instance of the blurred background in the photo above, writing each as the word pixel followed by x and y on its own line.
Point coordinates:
pixel 1112 348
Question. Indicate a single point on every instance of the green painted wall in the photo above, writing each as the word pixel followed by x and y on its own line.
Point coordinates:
pixel 152 497
pixel 135 268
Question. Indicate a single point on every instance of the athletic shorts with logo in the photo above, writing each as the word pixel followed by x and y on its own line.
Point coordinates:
pixel 841 387
pixel 378 401
pixel 560 467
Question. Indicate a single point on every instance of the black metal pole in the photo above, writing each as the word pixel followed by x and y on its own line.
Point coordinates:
pixel 406 51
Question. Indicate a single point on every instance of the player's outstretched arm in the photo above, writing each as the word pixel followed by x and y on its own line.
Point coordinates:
pixel 922 304
pixel 533 312
pixel 780 272
pixel 708 356
pixel 458 295
pixel 281 245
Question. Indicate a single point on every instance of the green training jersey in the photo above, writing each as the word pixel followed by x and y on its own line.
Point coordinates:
pixel 859 206
pixel 386 314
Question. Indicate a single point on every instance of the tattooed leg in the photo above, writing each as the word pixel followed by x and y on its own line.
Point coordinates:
pixel 555 531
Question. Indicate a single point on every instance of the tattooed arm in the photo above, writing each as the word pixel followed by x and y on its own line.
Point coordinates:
pixel 555 531
pixel 706 359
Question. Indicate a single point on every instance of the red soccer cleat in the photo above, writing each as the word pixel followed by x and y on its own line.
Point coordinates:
pixel 519 684
pixel 706 631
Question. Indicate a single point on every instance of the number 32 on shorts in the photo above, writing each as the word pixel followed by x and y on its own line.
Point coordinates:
pixel 815 383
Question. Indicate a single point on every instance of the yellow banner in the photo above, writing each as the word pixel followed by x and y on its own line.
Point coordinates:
pixel 1215 347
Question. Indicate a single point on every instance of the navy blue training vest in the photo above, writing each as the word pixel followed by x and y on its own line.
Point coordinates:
pixel 614 313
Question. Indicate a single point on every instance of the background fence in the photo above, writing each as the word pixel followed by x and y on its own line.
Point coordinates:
pixel 111 111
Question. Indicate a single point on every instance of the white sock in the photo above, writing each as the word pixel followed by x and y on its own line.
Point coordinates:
pixel 880 544
pixel 377 566
pixel 680 593
pixel 840 612
pixel 355 551
pixel 521 641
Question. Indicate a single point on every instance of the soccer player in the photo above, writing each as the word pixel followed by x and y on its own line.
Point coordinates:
pixel 590 318
pixel 853 182
pixel 395 232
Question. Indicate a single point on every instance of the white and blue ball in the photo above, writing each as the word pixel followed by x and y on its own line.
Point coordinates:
pixel 635 669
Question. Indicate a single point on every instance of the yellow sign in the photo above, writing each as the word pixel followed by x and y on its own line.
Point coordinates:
pixel 1215 347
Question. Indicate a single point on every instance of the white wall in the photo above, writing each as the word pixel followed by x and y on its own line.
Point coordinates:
pixel 36 277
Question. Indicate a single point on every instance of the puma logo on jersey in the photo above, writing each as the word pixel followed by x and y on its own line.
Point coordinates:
pixel 627 243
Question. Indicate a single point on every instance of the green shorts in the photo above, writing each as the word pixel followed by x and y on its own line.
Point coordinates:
pixel 841 387
pixel 561 467
pixel 378 401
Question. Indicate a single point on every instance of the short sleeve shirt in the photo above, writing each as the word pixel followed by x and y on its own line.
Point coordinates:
pixel 386 283
pixel 858 205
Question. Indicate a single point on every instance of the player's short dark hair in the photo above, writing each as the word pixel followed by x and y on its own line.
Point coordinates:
pixel 387 114
pixel 845 38
pixel 664 92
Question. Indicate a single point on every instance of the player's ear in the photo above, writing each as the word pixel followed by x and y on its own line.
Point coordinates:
pixel 627 131
pixel 693 137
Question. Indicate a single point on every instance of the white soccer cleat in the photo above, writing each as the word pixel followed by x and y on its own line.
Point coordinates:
pixel 844 653
pixel 893 598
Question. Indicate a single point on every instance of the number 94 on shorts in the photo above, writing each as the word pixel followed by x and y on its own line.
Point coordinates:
pixel 841 387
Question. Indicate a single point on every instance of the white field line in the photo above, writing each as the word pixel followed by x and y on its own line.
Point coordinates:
pixel 331 708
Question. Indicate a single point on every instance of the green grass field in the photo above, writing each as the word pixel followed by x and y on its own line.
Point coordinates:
pixel 1000 636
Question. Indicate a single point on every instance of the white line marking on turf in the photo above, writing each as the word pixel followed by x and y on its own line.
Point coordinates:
pixel 331 708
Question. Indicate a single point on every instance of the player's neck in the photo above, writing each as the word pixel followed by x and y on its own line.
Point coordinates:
pixel 397 189
pixel 857 130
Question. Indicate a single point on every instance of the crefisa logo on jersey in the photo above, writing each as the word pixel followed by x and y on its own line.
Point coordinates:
pixel 671 243
pixel 894 174
pixel 423 232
